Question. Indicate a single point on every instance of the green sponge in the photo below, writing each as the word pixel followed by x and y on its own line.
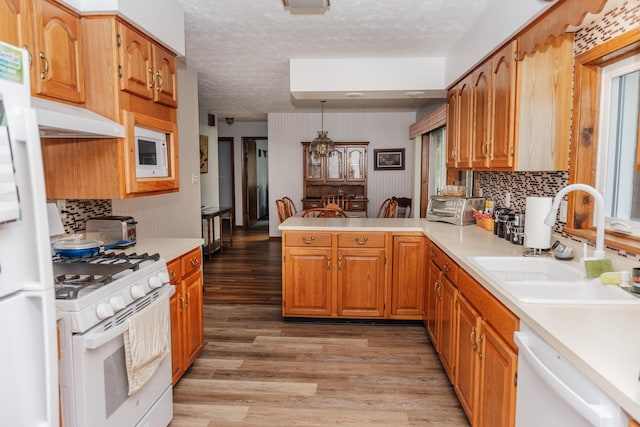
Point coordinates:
pixel 595 267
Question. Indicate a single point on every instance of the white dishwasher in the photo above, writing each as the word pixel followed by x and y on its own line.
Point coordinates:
pixel 553 393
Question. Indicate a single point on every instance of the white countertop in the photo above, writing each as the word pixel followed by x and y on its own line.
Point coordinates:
pixel 169 248
pixel 600 340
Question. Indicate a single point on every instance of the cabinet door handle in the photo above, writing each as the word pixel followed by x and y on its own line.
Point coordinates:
pixel 44 73
pixel 432 253
pixel 309 240
pixel 472 338
pixel 446 268
pixel 173 275
pixel 478 344
pixel 160 81
pixel 181 302
pixel 188 299
pixel 340 264
pixel 195 261
pixel 328 263
pixel 361 242
pixel 153 78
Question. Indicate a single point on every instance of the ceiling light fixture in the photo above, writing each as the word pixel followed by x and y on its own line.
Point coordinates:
pixel 306 6
pixel 322 145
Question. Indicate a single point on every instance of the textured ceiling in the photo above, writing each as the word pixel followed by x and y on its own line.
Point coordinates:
pixel 241 48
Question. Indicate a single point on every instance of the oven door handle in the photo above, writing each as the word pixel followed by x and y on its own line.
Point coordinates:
pixel 95 339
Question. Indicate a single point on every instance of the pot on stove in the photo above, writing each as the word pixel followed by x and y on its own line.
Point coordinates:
pixel 77 247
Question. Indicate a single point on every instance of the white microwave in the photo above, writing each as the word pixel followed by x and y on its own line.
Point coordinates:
pixel 151 153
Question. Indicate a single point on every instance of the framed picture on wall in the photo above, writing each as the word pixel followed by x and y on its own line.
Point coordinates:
pixel 204 154
pixel 388 159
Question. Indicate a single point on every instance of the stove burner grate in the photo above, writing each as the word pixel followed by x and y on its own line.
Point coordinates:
pixel 75 276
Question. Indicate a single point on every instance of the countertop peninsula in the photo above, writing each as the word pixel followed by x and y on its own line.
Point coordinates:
pixel 599 340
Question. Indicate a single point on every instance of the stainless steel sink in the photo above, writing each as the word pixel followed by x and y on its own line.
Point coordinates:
pixel 549 281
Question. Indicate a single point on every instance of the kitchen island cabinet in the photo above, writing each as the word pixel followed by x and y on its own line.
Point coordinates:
pixel 349 274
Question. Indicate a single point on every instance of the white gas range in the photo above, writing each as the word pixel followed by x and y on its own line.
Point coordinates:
pixel 97 296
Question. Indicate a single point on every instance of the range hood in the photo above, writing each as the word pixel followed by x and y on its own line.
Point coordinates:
pixel 58 120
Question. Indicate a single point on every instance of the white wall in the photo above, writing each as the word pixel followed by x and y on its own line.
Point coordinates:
pixel 209 188
pixel 237 131
pixel 174 214
pixel 382 130
pixel 501 20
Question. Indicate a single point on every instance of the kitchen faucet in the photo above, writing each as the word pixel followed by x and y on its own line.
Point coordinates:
pixel 551 217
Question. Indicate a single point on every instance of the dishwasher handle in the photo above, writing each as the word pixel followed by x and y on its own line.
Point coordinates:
pixel 597 415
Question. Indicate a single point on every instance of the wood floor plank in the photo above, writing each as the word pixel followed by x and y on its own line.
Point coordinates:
pixel 259 370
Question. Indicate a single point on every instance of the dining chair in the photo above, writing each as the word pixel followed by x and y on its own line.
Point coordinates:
pixel 283 212
pixel 342 200
pixel 404 206
pixel 324 213
pixel 388 209
pixel 291 207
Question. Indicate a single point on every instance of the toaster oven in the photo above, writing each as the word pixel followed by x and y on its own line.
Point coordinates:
pixel 454 210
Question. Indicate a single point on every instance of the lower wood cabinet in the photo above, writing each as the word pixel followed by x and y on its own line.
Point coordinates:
pixel 187 335
pixel 473 335
pixel 349 274
pixel 407 286
pixel 361 275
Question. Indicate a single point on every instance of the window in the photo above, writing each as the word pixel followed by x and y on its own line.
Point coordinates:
pixel 590 142
pixel 617 175
pixel 437 161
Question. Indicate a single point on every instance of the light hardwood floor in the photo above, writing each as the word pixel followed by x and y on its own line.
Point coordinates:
pixel 258 370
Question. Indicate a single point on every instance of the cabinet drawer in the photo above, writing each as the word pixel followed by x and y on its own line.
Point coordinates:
pixel 497 315
pixel 358 206
pixel 175 270
pixel 448 267
pixel 307 238
pixel 311 204
pixel 191 261
pixel 361 240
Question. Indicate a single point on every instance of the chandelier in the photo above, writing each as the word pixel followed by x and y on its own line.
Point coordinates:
pixel 322 145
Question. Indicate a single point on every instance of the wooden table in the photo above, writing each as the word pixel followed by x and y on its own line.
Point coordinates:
pixel 211 243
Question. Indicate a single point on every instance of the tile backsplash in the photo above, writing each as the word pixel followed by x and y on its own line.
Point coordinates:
pixel 77 212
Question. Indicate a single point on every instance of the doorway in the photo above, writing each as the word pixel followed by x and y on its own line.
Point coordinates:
pixel 226 181
pixel 255 181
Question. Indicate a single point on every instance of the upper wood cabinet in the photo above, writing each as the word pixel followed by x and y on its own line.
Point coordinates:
pixel 146 69
pixel 494 94
pixel 52 34
pixel 544 106
pixel 344 170
pixel 460 107
pixel 513 113
pixel 106 168
pixel 15 18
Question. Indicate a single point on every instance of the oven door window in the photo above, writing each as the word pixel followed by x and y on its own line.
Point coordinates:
pixel 116 385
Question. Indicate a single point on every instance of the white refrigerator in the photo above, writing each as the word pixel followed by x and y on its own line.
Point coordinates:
pixel 28 339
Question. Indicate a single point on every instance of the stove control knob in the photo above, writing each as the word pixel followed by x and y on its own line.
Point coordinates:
pixel 104 310
pixel 164 276
pixel 117 303
pixel 155 282
pixel 137 291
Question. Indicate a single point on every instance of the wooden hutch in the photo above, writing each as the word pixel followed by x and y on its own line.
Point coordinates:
pixel 343 171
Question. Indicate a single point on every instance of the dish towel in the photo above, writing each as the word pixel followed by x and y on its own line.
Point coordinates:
pixel 146 343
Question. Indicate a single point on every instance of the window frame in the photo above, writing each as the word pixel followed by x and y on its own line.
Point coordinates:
pixel 584 140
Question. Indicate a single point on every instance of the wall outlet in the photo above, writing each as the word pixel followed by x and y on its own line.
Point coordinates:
pixel 563 211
